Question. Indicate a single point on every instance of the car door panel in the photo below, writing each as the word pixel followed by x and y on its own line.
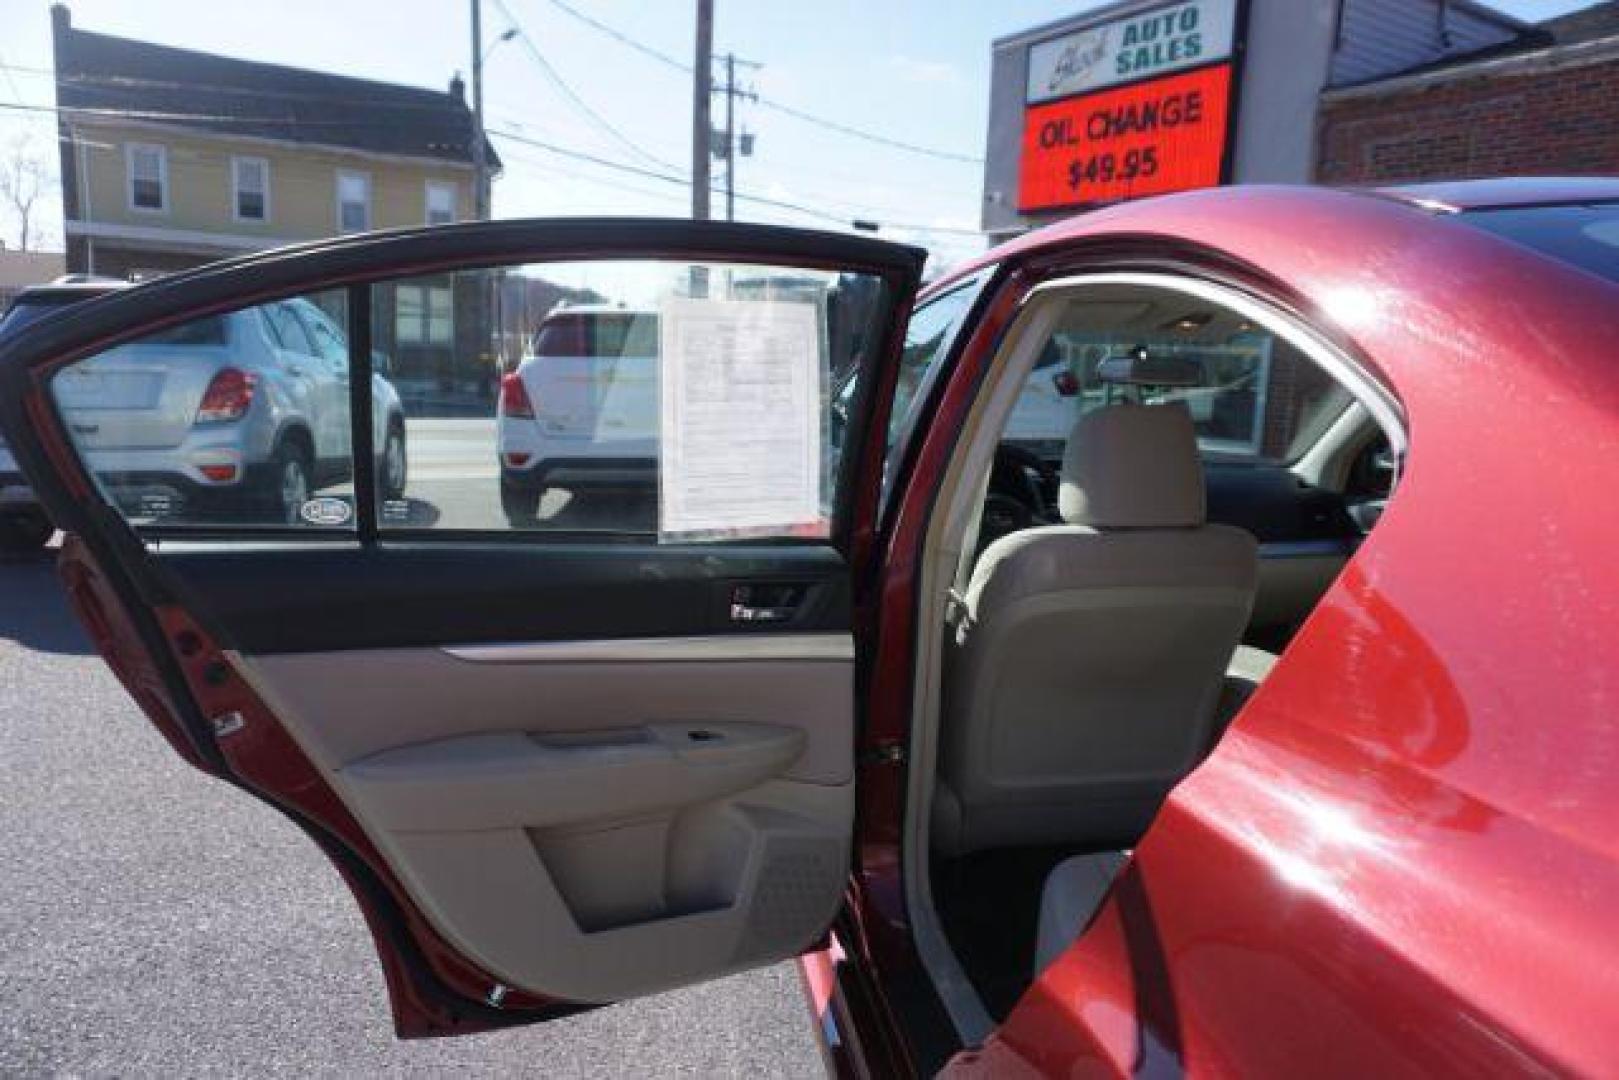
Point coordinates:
pixel 555 774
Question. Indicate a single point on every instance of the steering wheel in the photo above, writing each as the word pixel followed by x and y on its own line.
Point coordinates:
pixel 1016 499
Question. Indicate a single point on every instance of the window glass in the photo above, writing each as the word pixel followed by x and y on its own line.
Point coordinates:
pixel 1253 396
pixel 205 425
pixel 1583 236
pixel 685 401
pixel 440 203
pixel 288 332
pixel 252 184
pixel 353 202
pixel 933 328
pixel 148 175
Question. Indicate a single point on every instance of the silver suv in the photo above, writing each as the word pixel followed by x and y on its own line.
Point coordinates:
pixel 228 418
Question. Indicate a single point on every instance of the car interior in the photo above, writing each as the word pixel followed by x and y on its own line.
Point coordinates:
pixel 1109 596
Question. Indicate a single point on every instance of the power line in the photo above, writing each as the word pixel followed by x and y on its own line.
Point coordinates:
pixel 622 38
pixel 769 103
pixel 670 178
pixel 556 80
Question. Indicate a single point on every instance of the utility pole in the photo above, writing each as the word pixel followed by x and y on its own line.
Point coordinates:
pixel 731 144
pixel 730 136
pixel 702 131
pixel 480 151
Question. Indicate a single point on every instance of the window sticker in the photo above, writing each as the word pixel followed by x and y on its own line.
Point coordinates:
pixel 741 451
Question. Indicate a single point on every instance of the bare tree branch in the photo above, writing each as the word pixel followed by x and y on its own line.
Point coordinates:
pixel 24 179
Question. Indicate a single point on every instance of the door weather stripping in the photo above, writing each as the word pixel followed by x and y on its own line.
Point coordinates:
pixel 821 647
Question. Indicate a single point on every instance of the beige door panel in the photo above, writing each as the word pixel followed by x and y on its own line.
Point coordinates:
pixel 346 706
pixel 595 820
pixel 500 780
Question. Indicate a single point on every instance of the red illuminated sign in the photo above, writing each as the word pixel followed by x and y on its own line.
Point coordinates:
pixel 1153 137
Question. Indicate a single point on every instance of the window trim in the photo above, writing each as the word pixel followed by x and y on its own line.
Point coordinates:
pixel 365 179
pixel 162 151
pixel 429 186
pixel 236 161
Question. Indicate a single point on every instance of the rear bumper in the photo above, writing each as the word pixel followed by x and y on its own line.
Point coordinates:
pixel 629 473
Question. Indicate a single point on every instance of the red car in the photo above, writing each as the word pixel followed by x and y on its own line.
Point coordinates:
pixel 1262 722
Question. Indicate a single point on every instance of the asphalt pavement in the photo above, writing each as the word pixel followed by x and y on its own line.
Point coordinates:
pixel 156 922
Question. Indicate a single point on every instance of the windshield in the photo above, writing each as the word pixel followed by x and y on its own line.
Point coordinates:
pixel 598 334
pixel 1586 236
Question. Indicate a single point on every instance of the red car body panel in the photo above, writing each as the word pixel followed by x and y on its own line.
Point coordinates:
pixel 1401 859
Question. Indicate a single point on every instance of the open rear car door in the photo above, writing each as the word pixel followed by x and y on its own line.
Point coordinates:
pixel 599 754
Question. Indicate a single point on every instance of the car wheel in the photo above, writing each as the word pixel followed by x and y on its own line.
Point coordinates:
pixel 522 506
pixel 395 467
pixel 290 483
pixel 23 533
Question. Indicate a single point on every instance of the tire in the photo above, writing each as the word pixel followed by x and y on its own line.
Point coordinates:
pixel 394 469
pixel 290 485
pixel 522 506
pixel 21 534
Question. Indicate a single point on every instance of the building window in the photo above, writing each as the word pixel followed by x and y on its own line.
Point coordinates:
pixel 353 202
pixel 250 188
pixel 441 199
pixel 424 315
pixel 148 176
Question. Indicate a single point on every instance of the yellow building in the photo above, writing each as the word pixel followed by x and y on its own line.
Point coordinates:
pixel 172 158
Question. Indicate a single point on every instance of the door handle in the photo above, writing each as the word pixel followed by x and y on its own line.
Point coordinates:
pixel 765 603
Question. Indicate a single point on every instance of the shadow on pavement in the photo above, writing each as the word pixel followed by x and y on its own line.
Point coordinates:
pixel 34 611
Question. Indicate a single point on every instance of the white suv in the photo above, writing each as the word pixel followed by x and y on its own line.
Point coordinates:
pixel 581 409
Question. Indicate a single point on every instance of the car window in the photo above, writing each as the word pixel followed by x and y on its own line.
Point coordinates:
pixel 329 344
pixel 1257 399
pixel 933 329
pixel 597 334
pixel 1582 236
pixel 568 412
pixel 288 331
pixel 197 427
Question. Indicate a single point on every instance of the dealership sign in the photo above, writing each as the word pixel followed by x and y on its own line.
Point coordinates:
pixel 1138 106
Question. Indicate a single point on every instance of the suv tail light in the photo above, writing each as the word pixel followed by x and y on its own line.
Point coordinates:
pixel 1065 383
pixel 514 397
pixel 227 398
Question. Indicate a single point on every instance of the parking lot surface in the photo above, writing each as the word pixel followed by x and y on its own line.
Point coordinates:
pixel 154 921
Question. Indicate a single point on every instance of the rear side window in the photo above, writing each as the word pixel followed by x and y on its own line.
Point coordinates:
pixel 620 399
pixel 685 401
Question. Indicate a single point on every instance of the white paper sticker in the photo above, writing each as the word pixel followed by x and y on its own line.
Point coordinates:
pixel 740 453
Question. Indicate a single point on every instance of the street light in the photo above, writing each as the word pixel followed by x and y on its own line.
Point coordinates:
pixel 510 33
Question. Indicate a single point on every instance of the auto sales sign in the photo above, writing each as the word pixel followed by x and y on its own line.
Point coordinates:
pixel 1134 107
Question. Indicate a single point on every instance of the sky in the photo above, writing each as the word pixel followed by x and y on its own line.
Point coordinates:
pixel 916 71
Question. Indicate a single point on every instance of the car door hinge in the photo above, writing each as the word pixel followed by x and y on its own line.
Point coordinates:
pixel 886 754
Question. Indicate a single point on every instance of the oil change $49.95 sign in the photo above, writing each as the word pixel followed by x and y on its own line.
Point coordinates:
pixel 1148 138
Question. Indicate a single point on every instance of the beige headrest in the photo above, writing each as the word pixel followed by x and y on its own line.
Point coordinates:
pixel 1132 466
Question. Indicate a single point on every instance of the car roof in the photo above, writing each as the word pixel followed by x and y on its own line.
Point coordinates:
pixel 598 309
pixel 69 289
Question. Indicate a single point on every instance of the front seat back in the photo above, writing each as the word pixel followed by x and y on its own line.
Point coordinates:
pixel 1088 659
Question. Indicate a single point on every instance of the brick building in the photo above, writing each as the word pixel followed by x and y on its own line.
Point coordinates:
pixel 1545 103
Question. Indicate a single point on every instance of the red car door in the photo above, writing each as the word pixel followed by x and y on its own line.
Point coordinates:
pixel 557 767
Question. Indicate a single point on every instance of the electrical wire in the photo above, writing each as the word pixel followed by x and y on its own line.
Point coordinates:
pixel 769 103
pixel 567 91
